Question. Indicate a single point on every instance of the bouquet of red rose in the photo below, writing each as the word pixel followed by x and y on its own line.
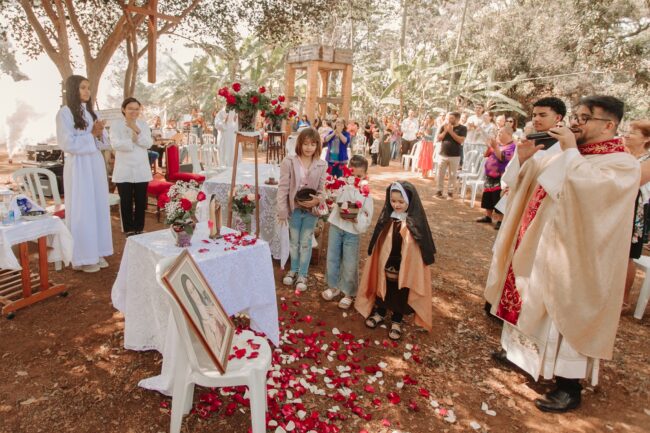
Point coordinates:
pixel 180 205
pixel 250 100
pixel 277 112
pixel 244 200
pixel 343 190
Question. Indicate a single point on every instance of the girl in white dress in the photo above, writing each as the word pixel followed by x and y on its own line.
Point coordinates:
pixel 82 136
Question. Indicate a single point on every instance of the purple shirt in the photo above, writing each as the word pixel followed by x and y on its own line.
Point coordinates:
pixel 494 167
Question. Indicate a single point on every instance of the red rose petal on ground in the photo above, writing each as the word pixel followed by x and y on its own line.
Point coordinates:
pixel 385 422
pixel 203 250
pixel 424 392
pixel 393 397
pixel 369 388
pixel 413 406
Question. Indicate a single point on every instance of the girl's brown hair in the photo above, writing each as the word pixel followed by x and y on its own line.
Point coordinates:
pixel 312 135
pixel 644 127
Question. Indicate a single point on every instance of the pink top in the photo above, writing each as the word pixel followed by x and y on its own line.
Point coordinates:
pixel 291 182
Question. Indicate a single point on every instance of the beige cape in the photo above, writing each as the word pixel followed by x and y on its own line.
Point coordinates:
pixel 571 263
pixel 414 274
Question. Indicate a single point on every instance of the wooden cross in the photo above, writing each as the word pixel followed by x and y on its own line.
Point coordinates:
pixel 152 24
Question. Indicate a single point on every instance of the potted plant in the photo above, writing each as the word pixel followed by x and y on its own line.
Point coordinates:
pixel 246 104
pixel 277 113
pixel 180 210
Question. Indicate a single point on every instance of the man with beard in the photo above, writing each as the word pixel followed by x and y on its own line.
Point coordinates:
pixel 558 270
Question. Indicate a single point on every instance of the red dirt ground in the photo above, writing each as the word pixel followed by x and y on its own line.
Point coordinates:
pixel 64 368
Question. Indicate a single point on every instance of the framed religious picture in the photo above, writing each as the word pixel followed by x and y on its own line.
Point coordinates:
pixel 203 311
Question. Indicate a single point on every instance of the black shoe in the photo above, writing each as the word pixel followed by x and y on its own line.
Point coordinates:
pixel 497 226
pixel 501 356
pixel 558 401
pixel 485 219
pixel 438 194
pixel 450 195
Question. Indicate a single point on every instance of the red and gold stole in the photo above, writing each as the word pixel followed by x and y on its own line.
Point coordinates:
pixel 510 303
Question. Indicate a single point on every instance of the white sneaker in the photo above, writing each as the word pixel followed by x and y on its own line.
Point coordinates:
pixel 329 294
pixel 103 263
pixel 301 284
pixel 289 279
pixel 87 268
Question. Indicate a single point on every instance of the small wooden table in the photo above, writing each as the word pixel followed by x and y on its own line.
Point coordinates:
pixel 19 289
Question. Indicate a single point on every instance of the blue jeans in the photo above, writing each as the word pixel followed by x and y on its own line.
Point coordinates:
pixel 301 229
pixel 343 260
pixel 394 149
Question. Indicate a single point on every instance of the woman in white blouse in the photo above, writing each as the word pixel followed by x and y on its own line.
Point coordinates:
pixel 131 137
pixel 81 135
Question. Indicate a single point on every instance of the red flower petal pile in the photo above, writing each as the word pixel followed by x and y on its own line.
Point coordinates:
pixel 315 362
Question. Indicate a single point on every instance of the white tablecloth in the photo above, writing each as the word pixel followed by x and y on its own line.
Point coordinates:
pixel 242 279
pixel 59 240
pixel 220 186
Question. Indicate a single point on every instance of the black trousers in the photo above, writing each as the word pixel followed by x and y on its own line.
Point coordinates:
pixel 130 193
pixel 407 145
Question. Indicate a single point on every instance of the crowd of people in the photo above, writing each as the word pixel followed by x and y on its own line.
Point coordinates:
pixel 574 213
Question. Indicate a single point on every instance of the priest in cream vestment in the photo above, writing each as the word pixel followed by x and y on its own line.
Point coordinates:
pixel 558 271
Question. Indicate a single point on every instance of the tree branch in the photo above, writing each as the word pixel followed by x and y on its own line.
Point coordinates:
pixel 83 37
pixel 50 50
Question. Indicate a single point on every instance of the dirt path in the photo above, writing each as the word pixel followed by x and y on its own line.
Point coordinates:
pixel 63 366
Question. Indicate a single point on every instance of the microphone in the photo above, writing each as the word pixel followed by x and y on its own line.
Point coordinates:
pixel 545 135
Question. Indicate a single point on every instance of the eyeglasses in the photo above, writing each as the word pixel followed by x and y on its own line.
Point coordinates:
pixel 510 121
pixel 583 119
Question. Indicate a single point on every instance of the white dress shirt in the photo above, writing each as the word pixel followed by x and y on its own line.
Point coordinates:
pixel 131 157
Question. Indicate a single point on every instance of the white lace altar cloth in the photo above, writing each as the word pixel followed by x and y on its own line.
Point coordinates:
pixel 59 240
pixel 242 279
pixel 220 186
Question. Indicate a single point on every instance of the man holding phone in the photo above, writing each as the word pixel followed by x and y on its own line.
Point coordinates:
pixel 558 270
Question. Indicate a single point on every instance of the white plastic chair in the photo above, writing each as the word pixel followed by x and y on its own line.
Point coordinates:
pixel 359 147
pixel 476 184
pixel 193 152
pixel 209 157
pixel 644 295
pixel 411 158
pixel 193 366
pixel 29 181
pixel 474 173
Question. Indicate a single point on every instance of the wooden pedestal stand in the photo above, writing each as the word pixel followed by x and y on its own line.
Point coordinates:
pixel 242 138
pixel 19 289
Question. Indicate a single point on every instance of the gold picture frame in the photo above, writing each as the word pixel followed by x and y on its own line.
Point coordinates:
pixel 201 308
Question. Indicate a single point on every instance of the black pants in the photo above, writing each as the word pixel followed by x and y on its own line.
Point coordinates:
pixel 132 221
pixel 374 157
pixel 406 146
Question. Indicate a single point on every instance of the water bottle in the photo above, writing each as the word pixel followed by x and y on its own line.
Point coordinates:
pixel 8 218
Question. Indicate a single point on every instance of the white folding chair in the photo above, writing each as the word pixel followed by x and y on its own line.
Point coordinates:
pixel 410 159
pixel 193 366
pixel 644 295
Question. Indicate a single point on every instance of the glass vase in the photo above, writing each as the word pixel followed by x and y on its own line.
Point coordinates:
pixel 182 238
pixel 247 120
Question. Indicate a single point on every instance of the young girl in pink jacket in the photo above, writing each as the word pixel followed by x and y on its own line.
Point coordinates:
pixel 302 171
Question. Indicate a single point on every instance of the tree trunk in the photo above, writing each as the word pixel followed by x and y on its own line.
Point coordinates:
pixel 402 46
